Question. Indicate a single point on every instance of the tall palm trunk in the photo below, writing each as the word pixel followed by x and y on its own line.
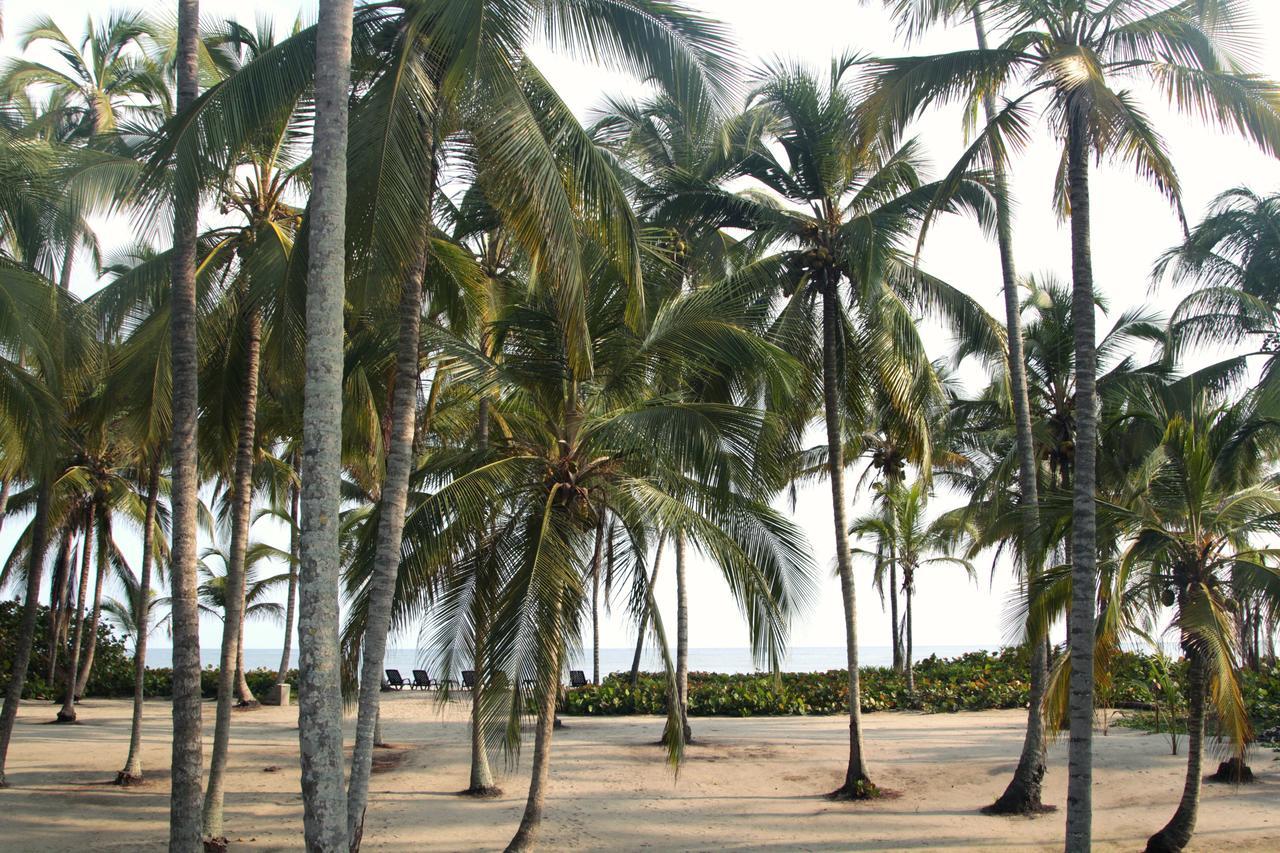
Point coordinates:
pixel 530 823
pixel 481 779
pixel 27 631
pixel 392 506
pixel 132 772
pixel 596 564
pixel 59 607
pixel 644 617
pixel 893 617
pixel 1177 832
pixel 1083 535
pixel 319 678
pixel 1023 793
pixel 857 784
pixel 682 638
pixel 233 615
pixel 185 793
pixel 68 712
pixel 91 636
pixel 5 486
pixel 909 583
pixel 286 653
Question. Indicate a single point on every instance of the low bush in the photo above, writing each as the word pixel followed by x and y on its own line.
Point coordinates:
pixel 975 681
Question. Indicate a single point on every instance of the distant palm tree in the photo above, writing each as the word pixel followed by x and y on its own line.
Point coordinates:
pixel 1073 54
pixel 905 536
pixel 852 200
pixel 104 80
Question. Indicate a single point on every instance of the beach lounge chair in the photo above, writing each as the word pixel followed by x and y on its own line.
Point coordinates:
pixel 421 679
pixel 469 679
pixel 577 678
pixel 395 681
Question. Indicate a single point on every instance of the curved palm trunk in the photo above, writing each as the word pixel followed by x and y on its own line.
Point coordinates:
pixel 1083 535
pixel 857 784
pixel 91 639
pixel 244 693
pixel 531 822
pixel 233 617
pixel 319 678
pixel 682 638
pixel 185 793
pixel 1023 793
pixel 68 712
pixel 386 562
pixel 132 772
pixel 286 653
pixel 5 486
pixel 27 631
pixel 1176 834
pixel 644 618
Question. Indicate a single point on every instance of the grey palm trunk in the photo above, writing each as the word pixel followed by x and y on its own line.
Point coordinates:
pixel 1083 511
pixel 644 617
pixel 857 783
pixel 5 487
pixel 596 565
pixel 386 562
pixel 286 653
pixel 233 614
pixel 1023 793
pixel 27 631
pixel 319 681
pixel 909 588
pixel 185 792
pixel 1176 834
pixel 95 610
pixel 68 712
pixel 131 774
pixel 481 778
pixel 682 637
pixel 531 821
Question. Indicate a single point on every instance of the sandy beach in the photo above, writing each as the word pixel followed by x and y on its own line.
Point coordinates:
pixel 747 784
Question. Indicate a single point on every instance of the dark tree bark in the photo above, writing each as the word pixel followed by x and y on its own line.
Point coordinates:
pixel 1176 834
pixel 233 615
pixel 185 792
pixel 1084 574
pixel 131 774
pixel 857 783
pixel 1023 794
pixel 27 631
pixel 68 712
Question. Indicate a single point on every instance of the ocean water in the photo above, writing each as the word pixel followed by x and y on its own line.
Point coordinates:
pixel 802 659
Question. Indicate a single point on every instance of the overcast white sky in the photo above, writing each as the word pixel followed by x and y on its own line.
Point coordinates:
pixel 1132 225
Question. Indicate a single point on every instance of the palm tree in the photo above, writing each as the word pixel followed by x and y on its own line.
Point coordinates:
pixel 1073 53
pixel 1023 794
pixel 105 80
pixel 186 790
pixel 903 535
pixel 852 200
pixel 1190 513
pixel 319 689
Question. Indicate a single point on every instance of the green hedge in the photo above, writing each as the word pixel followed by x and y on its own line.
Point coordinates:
pixel 112 674
pixel 972 682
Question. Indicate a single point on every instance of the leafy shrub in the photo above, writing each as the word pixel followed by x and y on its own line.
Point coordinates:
pixel 975 681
